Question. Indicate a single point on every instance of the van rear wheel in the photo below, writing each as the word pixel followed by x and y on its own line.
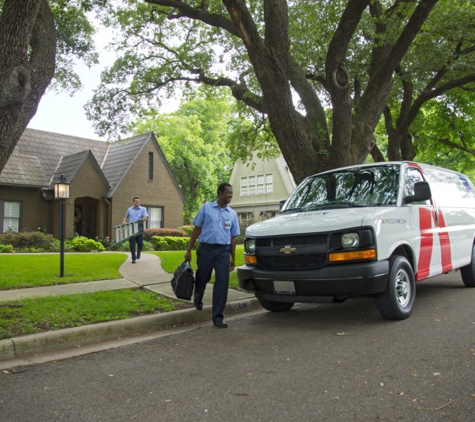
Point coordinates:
pixel 468 272
pixel 397 301
pixel 276 306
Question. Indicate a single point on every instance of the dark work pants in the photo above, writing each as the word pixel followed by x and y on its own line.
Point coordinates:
pixel 217 258
pixel 136 240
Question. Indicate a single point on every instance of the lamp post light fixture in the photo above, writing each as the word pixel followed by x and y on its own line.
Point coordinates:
pixel 61 192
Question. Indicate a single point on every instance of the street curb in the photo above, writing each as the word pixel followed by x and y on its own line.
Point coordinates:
pixel 73 337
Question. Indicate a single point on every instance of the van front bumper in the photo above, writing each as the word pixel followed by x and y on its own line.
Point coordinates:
pixel 311 285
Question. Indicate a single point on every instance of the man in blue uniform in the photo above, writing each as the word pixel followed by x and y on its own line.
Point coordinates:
pixel 133 214
pixel 216 227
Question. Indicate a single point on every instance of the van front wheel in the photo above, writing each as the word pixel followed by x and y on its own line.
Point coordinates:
pixel 397 301
pixel 468 272
pixel 276 306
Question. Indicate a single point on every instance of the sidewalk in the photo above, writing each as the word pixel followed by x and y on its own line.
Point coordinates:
pixel 148 274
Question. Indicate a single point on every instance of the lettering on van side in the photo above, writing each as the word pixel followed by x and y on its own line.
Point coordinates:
pixel 393 220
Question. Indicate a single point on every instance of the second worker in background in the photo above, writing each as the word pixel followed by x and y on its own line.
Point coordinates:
pixel 133 214
pixel 216 227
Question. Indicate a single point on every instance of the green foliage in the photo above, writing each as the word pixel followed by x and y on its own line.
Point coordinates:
pixel 150 233
pixel 195 142
pixel 6 248
pixel 171 47
pixel 83 244
pixel 30 241
pixel 187 229
pixel 31 316
pixel 74 31
pixel 19 271
pixel 444 133
pixel 171 243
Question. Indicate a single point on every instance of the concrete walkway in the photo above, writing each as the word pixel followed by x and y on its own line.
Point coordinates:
pixel 146 273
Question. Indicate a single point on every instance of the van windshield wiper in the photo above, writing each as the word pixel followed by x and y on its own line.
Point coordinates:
pixel 292 210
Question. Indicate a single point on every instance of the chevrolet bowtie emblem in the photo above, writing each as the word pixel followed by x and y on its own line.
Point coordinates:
pixel 287 250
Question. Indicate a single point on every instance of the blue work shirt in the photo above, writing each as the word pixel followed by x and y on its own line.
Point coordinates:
pixel 136 214
pixel 217 225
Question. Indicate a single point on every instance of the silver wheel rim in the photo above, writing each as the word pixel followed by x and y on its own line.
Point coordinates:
pixel 403 288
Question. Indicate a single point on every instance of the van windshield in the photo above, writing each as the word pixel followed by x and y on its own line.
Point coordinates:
pixel 356 187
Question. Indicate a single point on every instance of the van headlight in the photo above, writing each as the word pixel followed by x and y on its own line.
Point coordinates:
pixel 350 240
pixel 250 246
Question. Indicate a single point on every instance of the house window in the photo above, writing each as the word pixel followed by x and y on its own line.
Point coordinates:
pixel 260 184
pixel 150 166
pixel 155 217
pixel 245 216
pixel 11 216
pixel 252 185
pixel 243 186
pixel 269 183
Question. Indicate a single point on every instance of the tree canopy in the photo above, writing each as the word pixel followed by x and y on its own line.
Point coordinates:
pixel 195 142
pixel 38 41
pixel 290 61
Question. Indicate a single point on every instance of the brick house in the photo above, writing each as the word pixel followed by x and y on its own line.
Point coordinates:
pixel 103 177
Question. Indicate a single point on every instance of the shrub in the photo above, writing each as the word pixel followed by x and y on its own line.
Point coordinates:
pixel 30 241
pixel 150 233
pixel 104 240
pixel 187 229
pixel 243 225
pixel 83 244
pixel 6 248
pixel 171 243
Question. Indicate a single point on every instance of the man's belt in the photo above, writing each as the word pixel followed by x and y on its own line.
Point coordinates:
pixel 212 245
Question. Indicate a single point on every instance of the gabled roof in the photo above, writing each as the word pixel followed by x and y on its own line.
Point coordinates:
pixel 71 164
pixel 50 147
pixel 122 155
pixel 23 170
pixel 39 159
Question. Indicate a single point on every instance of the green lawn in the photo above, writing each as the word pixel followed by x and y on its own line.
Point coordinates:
pixel 19 271
pixel 36 315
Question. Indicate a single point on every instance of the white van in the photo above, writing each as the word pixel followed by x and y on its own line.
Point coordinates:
pixel 368 230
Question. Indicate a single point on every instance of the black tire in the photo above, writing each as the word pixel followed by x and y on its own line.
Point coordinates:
pixel 468 272
pixel 276 306
pixel 397 301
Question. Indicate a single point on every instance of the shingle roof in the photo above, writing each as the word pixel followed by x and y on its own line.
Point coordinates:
pixel 24 170
pixel 70 165
pixel 120 157
pixel 50 147
pixel 44 156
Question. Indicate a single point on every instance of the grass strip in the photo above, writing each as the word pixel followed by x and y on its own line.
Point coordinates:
pixel 34 270
pixel 36 315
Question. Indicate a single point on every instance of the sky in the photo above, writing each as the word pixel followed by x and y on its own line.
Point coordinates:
pixel 65 114
pixel 61 113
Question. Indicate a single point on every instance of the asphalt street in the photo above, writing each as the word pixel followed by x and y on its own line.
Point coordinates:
pixel 338 362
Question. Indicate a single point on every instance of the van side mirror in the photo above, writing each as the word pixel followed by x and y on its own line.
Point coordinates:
pixel 421 193
pixel 281 204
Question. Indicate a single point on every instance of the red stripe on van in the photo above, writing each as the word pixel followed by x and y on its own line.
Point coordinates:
pixel 446 254
pixel 427 242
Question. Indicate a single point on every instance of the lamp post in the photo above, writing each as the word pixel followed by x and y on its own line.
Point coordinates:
pixel 61 192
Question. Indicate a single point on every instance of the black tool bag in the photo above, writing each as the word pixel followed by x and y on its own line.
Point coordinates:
pixel 183 281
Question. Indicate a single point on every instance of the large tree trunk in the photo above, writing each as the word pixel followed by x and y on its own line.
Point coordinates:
pixel 27 64
pixel 305 148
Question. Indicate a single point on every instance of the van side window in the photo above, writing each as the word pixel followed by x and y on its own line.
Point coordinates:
pixel 450 189
pixel 413 175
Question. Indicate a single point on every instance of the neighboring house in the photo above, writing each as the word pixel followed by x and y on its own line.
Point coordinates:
pixel 259 186
pixel 104 178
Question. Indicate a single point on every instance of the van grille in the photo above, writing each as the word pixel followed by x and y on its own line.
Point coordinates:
pixel 281 261
pixel 315 239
